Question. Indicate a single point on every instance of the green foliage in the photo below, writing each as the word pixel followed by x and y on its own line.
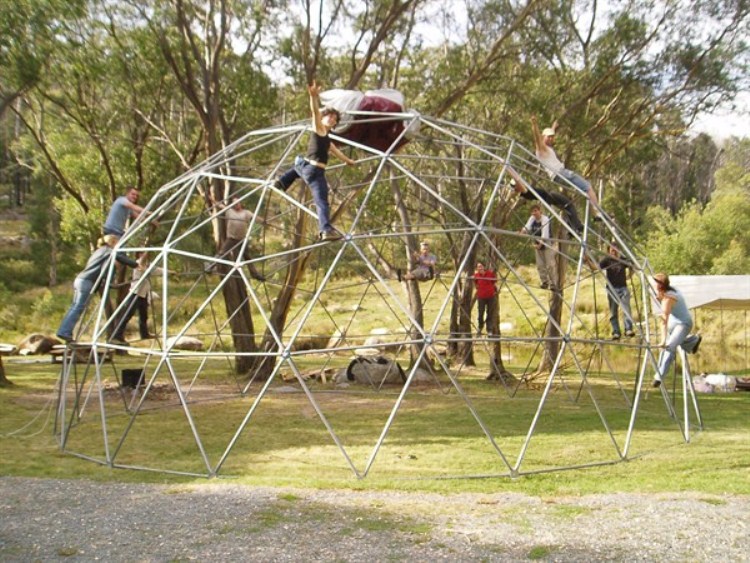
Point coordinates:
pixel 27 32
pixel 714 239
pixel 43 310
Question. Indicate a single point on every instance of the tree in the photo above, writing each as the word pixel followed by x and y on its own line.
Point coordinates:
pixel 28 35
pixel 710 239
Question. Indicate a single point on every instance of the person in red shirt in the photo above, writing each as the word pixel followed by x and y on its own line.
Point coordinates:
pixel 485 280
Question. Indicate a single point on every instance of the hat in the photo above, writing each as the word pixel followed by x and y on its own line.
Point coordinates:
pixel 662 279
pixel 548 132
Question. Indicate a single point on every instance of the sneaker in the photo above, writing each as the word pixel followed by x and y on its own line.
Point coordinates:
pixel 629 333
pixel 656 383
pixel 118 340
pixel 278 185
pixel 399 275
pixel 545 285
pixel 615 336
pixel 597 219
pixel 330 236
pixel 65 337
pixel 697 345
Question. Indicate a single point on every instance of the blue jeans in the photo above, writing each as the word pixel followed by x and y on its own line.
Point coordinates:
pixel 315 178
pixel 578 181
pixel 677 335
pixel 81 293
pixel 619 297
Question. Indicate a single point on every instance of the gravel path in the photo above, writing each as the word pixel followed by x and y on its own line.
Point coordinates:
pixel 55 520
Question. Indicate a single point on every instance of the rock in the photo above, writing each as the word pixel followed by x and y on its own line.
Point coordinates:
pixel 373 341
pixel 367 351
pixel 372 371
pixel 336 340
pixel 422 375
pixel 37 343
pixel 437 350
pixel 184 343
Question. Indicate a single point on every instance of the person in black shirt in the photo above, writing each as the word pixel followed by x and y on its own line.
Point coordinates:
pixel 312 167
pixel 618 294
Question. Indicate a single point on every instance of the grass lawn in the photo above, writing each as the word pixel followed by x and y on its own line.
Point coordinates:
pixel 433 436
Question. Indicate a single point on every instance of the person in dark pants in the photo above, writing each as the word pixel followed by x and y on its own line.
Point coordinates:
pixel 618 294
pixel 89 281
pixel 485 281
pixel 552 198
pixel 138 300
pixel 312 167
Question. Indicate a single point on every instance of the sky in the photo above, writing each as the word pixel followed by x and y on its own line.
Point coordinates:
pixel 727 123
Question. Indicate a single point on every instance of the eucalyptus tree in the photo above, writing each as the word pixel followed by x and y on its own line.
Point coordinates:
pixel 28 35
pixel 619 77
pixel 87 119
pixel 710 238
pixel 341 44
pixel 211 52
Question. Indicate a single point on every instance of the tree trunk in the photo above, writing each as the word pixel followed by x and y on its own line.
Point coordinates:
pixel 552 330
pixel 463 296
pixel 497 368
pixel 241 323
pixel 4 381
pixel 295 270
pixel 412 286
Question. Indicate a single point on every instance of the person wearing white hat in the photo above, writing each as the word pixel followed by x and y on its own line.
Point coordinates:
pixel 544 145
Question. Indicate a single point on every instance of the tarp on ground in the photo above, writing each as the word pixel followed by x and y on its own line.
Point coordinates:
pixel 714 292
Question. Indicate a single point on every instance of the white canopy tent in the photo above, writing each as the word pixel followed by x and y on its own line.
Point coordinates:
pixel 729 293
pixel 721 293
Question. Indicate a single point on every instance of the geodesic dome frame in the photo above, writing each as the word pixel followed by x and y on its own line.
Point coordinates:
pixel 446 184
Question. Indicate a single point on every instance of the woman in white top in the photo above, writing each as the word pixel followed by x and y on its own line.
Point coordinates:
pixel 543 143
pixel 676 326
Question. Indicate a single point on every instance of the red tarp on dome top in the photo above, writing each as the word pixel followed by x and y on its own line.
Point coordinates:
pixel 368 130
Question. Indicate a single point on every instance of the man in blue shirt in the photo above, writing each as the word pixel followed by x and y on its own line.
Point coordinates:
pixel 123 208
